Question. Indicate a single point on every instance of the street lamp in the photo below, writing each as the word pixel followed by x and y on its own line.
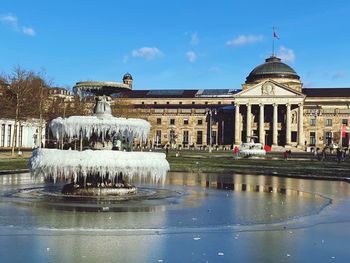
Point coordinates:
pixel 317 112
pixel 210 112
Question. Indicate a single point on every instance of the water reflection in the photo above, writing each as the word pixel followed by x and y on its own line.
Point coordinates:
pixel 186 200
pixel 188 205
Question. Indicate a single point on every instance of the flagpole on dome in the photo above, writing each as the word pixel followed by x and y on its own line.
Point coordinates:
pixel 273 39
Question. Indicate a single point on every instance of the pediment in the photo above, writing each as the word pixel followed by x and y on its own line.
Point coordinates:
pixel 269 88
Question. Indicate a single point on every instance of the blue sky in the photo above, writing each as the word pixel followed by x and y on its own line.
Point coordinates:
pixel 175 44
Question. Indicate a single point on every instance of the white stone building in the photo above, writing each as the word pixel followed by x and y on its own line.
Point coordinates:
pixel 27 135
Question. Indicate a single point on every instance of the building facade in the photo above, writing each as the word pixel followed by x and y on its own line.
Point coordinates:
pixel 27 133
pixel 271 108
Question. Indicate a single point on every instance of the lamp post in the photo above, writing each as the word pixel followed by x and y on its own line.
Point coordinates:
pixel 210 113
pixel 317 112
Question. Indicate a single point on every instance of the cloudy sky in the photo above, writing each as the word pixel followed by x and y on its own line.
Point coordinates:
pixel 175 44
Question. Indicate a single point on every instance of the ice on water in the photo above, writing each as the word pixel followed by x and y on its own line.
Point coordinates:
pixel 53 163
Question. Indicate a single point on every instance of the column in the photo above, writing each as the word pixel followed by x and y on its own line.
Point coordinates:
pixel 300 125
pixel 237 126
pixel 261 125
pixel 288 126
pixel 275 123
pixel 249 122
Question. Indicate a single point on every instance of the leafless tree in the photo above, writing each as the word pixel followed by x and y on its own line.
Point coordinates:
pixel 17 99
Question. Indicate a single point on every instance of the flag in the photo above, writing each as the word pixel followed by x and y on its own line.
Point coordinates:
pixel 343 130
pixel 274 35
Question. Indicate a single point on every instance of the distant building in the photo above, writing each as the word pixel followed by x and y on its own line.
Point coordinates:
pixel 27 135
pixel 271 108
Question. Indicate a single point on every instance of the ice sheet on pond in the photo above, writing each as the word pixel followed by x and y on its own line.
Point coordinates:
pixel 86 126
pixel 53 163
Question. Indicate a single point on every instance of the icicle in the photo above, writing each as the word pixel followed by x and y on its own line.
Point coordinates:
pixel 54 163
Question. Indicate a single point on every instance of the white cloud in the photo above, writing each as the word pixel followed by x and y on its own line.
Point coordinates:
pixel 125 59
pixel 286 54
pixel 339 75
pixel 214 69
pixel 194 39
pixel 28 31
pixel 12 21
pixel 244 40
pixel 309 84
pixel 147 53
pixel 191 56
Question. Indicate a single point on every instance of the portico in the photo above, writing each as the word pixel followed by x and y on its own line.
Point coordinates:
pixel 269 112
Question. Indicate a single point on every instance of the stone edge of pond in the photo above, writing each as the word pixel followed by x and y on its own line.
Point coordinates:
pixel 14 171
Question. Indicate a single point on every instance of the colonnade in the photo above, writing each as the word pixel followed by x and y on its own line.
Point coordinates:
pixel 261 124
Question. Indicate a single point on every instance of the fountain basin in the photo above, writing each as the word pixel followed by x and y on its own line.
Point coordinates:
pixel 71 165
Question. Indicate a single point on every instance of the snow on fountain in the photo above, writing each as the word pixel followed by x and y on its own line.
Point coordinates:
pixel 57 164
pixel 89 125
pixel 99 172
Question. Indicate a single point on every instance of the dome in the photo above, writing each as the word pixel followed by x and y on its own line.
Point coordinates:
pixel 272 68
pixel 127 76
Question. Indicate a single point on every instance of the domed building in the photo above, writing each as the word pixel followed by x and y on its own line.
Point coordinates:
pixel 272 108
pixel 274 69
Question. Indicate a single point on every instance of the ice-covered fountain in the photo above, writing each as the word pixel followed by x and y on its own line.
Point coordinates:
pixel 99 170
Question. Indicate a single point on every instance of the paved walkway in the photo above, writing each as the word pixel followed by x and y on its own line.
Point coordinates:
pixel 7 154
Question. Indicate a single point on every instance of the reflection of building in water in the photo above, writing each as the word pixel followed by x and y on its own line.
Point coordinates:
pixel 238 182
pixel 18 179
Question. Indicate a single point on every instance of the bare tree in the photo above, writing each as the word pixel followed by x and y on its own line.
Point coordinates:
pixel 121 107
pixel 17 98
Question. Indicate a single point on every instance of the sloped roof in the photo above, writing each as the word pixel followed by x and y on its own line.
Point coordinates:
pixel 325 92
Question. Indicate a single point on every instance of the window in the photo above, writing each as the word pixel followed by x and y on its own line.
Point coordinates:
pixel 328 138
pixel 9 136
pixel 180 102
pixel 159 121
pixel 345 121
pixel 193 102
pixel 158 137
pixel 313 122
pixel 206 103
pixel 199 137
pixel 3 135
pixel 167 102
pixel 213 138
pixel 294 136
pixel 312 138
pixel 185 137
pixel 185 121
pixel 328 122
pixel 200 122
pixel 172 136
pixel 142 102
pixel 172 121
pixel 155 102
pixel 219 102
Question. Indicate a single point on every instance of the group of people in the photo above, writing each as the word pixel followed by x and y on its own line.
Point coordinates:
pixel 287 154
pixel 341 154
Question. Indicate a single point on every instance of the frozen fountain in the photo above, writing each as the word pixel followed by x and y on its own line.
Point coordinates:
pixel 99 171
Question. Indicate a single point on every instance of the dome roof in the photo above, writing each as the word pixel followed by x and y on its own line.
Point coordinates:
pixel 272 68
pixel 127 76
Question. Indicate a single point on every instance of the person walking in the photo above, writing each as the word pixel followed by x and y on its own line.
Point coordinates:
pixel 339 155
pixel 285 155
pixel 324 156
pixel 236 153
